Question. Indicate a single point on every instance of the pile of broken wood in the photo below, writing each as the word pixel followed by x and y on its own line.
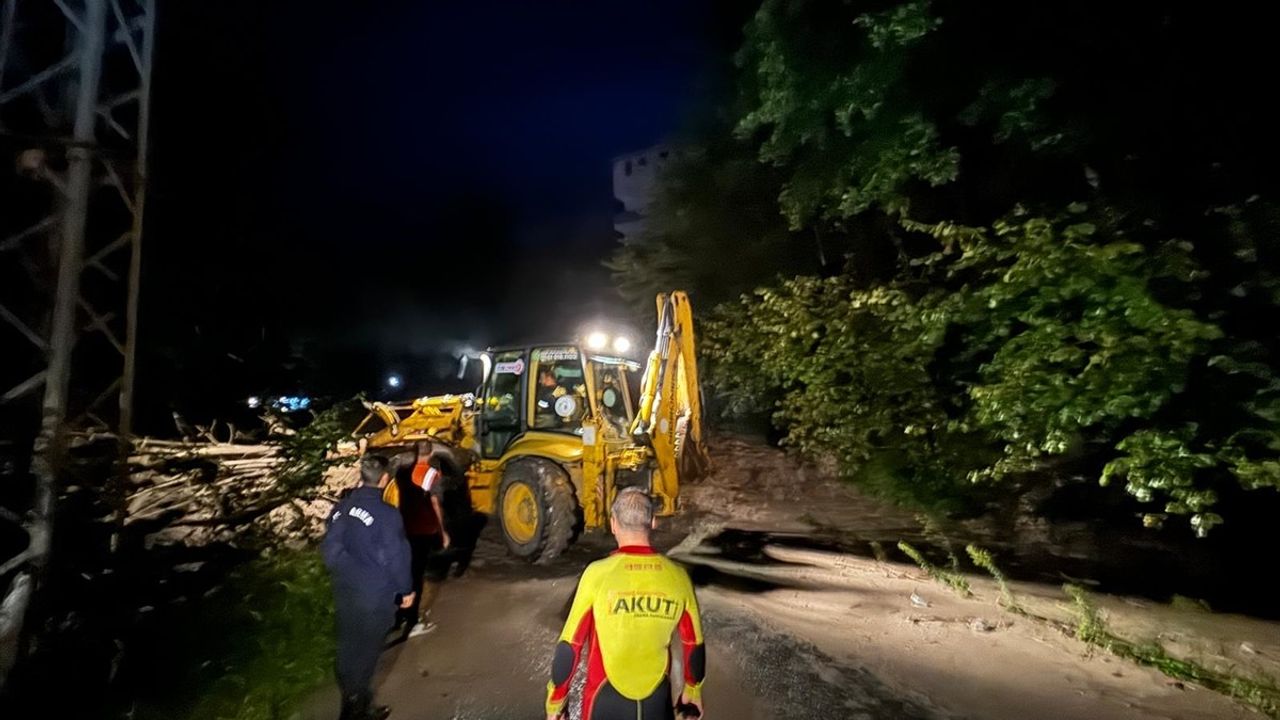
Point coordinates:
pixel 199 492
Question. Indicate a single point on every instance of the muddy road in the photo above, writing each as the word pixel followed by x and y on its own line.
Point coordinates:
pixel 803 632
pixel 489 657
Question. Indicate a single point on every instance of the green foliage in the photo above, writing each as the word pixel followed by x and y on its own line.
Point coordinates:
pixel 1161 462
pixel 1036 339
pixel 983 559
pixel 966 350
pixel 877 551
pixel 934 534
pixel 852 368
pixel 853 364
pixel 950 578
pixel 1091 627
pixel 307 454
pixel 1015 110
pixel 823 100
pixel 900 477
pixel 1073 339
pixel 255 648
pixel 900 26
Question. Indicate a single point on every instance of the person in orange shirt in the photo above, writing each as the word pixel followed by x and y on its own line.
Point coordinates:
pixel 627 608
pixel 419 499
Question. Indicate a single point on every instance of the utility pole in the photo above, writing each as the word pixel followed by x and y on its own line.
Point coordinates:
pixel 75 82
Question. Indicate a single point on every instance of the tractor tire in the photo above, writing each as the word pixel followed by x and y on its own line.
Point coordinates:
pixel 537 509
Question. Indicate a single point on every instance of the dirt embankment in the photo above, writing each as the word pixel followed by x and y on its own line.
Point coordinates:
pixel 762 538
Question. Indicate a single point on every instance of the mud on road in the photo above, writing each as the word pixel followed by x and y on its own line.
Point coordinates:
pixel 490 656
pixel 791 633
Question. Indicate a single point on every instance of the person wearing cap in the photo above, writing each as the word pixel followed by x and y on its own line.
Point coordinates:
pixel 368 558
pixel 627 608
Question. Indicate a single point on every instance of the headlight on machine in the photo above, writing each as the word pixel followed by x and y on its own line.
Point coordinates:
pixel 597 341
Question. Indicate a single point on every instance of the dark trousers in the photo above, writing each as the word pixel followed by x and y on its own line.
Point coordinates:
pixel 362 630
pixel 430 564
pixel 609 704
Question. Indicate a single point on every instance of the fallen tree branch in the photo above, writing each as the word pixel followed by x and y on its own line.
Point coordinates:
pixel 16 561
pixel 11 516
pixel 160 486
pixel 242 518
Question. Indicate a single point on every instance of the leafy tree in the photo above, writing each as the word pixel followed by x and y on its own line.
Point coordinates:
pixel 825 80
pixel 1038 339
pixel 1058 226
pixel 958 111
pixel 715 231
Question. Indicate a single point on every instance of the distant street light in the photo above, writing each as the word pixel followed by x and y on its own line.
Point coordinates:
pixel 393 381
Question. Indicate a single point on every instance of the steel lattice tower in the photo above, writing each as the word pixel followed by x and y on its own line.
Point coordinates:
pixel 75 82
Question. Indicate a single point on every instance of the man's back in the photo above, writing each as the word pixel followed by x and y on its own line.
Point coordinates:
pixel 364 547
pixel 630 604
pixel 639 601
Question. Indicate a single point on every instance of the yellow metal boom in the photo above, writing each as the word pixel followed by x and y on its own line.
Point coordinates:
pixel 669 413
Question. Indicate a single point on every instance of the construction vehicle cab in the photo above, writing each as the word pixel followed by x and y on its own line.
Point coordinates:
pixel 557 429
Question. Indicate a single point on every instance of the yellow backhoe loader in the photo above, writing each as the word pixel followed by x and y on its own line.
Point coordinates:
pixel 556 430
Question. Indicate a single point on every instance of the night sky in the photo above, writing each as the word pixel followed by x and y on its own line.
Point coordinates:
pixel 369 188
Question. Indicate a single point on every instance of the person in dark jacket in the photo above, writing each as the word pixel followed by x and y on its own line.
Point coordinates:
pixel 368 558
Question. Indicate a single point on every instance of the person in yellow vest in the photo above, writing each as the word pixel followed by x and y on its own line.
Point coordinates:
pixel 627 609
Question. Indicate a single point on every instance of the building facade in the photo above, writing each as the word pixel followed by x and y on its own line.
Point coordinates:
pixel 635 182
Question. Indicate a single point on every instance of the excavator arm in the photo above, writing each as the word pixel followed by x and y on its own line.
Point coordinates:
pixel 669 414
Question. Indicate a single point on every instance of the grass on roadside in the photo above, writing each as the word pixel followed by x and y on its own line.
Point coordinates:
pixel 1091 628
pixel 255 648
pixel 950 578
pixel 983 559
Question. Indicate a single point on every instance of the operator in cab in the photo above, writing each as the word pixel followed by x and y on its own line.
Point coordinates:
pixel 555 405
pixel 544 411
